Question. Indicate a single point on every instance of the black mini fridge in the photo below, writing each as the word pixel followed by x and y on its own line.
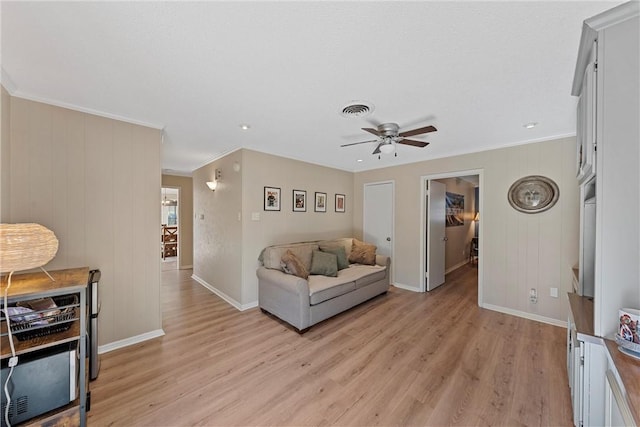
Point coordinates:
pixel 93 309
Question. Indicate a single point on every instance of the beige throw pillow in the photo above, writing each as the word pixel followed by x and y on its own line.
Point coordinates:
pixel 291 264
pixel 362 253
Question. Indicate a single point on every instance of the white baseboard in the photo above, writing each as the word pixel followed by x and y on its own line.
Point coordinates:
pixel 185 267
pixel 237 305
pixel 405 287
pixel 130 341
pixel 526 315
pixel 457 266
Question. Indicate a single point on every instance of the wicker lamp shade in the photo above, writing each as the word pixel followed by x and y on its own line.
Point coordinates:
pixel 25 246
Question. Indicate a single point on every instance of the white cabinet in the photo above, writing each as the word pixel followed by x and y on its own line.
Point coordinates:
pixel 616 412
pixel 586 366
pixel 586 119
pixel 575 370
pixel 607 151
pixel 606 82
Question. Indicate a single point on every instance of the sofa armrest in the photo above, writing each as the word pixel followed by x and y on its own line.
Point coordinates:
pixel 286 282
pixel 285 296
pixel 383 260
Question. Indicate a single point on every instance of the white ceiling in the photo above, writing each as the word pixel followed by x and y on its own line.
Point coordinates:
pixel 476 70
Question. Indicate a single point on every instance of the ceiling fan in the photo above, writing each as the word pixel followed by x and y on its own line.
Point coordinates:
pixel 389 134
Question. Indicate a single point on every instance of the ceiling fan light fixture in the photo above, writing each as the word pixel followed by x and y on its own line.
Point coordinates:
pixel 387 148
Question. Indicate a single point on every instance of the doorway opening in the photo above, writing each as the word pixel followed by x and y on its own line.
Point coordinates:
pixel 170 228
pixel 451 227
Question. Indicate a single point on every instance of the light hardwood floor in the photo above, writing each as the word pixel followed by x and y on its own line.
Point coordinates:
pixel 400 359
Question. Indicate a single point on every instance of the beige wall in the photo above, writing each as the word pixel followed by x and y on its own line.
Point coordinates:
pixel 286 225
pixel 185 217
pixel 95 182
pixel 228 241
pixel 5 155
pixel 459 238
pixel 217 230
pixel 519 251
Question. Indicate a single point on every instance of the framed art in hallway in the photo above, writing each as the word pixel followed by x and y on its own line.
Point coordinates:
pixel 271 199
pixel 454 209
pixel 340 202
pixel 321 202
pixel 299 201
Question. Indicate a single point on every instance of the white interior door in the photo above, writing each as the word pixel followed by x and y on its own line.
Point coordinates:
pixel 436 237
pixel 378 217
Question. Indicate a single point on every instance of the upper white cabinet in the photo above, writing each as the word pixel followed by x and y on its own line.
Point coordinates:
pixel 606 80
pixel 586 118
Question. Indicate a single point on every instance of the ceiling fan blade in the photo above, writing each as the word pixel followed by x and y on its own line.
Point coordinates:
pixel 412 142
pixel 377 150
pixel 418 131
pixel 372 131
pixel 356 143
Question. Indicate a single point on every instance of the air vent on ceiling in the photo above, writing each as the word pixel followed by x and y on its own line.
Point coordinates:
pixel 357 109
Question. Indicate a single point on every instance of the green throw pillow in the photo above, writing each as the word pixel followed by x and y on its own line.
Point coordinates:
pixel 339 252
pixel 324 263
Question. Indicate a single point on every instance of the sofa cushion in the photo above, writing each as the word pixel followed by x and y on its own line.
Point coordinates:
pixel 345 242
pixel 323 288
pixel 272 255
pixel 363 275
pixel 291 264
pixel 340 254
pixel 362 253
pixel 324 263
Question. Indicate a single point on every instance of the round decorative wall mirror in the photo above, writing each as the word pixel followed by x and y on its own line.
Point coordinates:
pixel 533 194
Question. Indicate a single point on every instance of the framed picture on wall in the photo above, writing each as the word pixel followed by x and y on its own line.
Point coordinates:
pixel 271 199
pixel 454 210
pixel 321 202
pixel 299 201
pixel 340 202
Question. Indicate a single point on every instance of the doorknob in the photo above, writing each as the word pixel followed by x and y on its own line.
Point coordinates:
pixel 444 239
pixel 388 239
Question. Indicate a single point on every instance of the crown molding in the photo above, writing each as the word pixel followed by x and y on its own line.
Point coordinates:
pixel 13 90
pixel 590 29
pixel 91 111
pixel 6 81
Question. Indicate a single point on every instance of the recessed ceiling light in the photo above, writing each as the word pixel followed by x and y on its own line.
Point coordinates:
pixel 245 126
pixel 359 160
pixel 530 125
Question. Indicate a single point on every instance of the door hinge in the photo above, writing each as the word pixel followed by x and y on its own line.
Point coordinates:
pixel 581 360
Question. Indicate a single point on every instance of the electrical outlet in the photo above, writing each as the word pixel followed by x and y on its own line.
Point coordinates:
pixel 533 296
pixel 553 292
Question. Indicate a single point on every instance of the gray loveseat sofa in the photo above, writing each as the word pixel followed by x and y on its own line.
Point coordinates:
pixel 303 303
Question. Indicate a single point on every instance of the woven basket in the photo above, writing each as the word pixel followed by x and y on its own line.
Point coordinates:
pixel 25 246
